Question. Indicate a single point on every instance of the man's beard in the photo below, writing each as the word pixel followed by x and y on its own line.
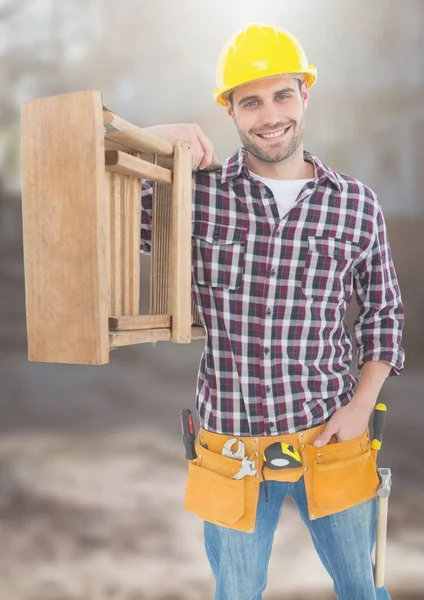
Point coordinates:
pixel 273 156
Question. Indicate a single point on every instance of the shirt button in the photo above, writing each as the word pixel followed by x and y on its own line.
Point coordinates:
pixel 273 273
pixel 268 194
pixel 266 350
pixel 277 233
pixel 216 237
pixel 336 252
pixel 272 425
pixel 268 389
pixel 268 312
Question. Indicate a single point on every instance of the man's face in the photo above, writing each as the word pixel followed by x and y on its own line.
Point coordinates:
pixel 269 115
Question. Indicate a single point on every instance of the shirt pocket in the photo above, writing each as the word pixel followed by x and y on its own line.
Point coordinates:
pixel 218 254
pixel 328 273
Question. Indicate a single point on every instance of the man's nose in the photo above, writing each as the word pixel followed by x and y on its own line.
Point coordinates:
pixel 272 115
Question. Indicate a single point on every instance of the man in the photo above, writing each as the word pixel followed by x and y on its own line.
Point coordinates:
pixel 280 244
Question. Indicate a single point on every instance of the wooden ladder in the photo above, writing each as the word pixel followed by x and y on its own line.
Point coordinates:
pixel 81 202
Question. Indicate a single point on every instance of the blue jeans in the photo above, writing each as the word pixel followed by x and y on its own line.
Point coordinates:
pixel 343 541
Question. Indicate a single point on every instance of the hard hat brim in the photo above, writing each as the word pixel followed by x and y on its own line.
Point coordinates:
pixel 309 77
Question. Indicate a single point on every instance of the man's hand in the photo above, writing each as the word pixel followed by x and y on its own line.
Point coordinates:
pixel 201 147
pixel 352 420
pixel 346 423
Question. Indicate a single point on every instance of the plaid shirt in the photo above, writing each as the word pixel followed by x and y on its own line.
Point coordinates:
pixel 272 295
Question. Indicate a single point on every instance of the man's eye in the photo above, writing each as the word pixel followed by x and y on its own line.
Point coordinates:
pixel 283 96
pixel 251 103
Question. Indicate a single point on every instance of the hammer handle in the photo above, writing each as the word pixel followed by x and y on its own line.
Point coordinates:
pixel 380 547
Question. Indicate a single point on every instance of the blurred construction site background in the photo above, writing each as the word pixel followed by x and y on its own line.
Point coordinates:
pixel 92 472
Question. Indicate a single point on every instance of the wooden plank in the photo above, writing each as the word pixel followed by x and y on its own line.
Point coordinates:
pixel 111 145
pixel 181 244
pixel 121 162
pixel 119 130
pixel 114 191
pixel 128 338
pixel 168 163
pixel 139 322
pixel 125 245
pixel 133 232
pixel 125 209
pixel 66 229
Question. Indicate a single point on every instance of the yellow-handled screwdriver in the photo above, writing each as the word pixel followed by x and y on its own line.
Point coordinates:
pixel 379 421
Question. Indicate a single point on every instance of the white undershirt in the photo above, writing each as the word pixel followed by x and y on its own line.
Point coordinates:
pixel 285 191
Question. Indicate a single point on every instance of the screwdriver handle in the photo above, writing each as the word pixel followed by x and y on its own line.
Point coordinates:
pixel 379 422
pixel 187 429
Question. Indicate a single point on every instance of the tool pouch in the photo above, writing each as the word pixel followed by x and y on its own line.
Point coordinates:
pixel 215 497
pixel 339 475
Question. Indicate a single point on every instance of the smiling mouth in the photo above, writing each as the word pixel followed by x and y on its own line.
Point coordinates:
pixel 274 135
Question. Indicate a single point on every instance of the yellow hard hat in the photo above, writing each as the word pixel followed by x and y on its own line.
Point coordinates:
pixel 256 52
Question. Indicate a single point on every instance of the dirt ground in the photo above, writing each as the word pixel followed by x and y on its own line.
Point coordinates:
pixel 92 479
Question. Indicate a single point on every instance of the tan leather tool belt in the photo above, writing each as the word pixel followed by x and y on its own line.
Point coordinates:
pixel 337 476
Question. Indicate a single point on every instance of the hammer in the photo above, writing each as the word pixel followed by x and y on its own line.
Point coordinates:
pixel 383 494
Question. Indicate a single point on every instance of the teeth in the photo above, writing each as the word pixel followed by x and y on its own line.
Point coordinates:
pixel 272 135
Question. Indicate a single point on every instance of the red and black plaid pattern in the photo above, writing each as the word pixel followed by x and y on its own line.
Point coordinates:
pixel 272 295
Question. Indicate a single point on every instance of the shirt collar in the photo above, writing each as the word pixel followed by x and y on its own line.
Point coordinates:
pixel 235 166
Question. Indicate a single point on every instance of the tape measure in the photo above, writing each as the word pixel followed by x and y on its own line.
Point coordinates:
pixel 281 456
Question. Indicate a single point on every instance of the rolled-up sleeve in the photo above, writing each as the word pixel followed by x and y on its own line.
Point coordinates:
pixel 379 325
pixel 146 217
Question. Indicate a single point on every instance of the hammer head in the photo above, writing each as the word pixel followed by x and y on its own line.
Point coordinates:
pixel 385 482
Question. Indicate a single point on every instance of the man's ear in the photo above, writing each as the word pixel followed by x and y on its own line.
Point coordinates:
pixel 305 94
pixel 230 111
